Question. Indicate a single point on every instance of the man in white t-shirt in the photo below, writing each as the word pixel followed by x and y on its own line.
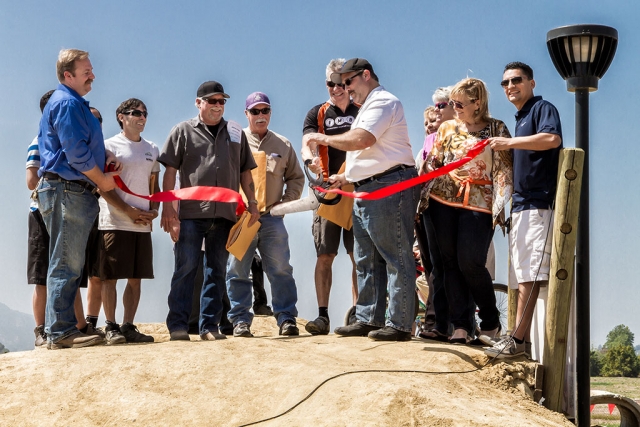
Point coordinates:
pixel 125 222
pixel 378 155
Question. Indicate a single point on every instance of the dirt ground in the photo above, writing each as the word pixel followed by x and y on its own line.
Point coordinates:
pixel 238 381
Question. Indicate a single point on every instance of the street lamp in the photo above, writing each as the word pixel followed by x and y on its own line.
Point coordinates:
pixel 582 54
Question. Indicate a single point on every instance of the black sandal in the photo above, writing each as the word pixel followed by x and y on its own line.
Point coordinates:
pixel 436 335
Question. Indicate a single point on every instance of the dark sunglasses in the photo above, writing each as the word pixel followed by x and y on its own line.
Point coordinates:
pixel 256 111
pixel 135 113
pixel 460 105
pixel 348 81
pixel 331 84
pixel 513 80
pixel 214 101
pixel 441 105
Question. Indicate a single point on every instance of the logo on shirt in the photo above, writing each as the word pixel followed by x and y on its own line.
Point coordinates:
pixel 339 121
pixel 523 123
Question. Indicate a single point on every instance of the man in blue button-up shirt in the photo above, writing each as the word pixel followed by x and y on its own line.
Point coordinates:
pixel 72 160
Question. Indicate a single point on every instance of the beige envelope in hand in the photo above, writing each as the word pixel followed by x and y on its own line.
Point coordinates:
pixel 340 213
pixel 259 175
pixel 241 236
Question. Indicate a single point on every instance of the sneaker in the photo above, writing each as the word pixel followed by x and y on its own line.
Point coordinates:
pixel 505 349
pixel 132 334
pixel 242 329
pixel 41 336
pixel 356 330
pixel 76 340
pixel 389 334
pixel 262 310
pixel 289 328
pixel 320 326
pixel 92 330
pixel 113 334
pixel 213 336
pixel 179 336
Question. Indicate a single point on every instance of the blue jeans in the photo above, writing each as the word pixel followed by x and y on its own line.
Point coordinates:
pixel 272 241
pixel 68 211
pixel 383 233
pixel 214 231
pixel 464 237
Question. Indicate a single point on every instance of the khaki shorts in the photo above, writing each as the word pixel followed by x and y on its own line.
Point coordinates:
pixel 530 241
pixel 125 255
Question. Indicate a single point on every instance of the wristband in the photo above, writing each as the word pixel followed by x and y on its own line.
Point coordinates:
pixel 255 202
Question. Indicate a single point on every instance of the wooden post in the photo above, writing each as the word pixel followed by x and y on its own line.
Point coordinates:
pixel 565 227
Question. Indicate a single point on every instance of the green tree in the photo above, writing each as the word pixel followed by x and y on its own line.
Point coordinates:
pixel 595 363
pixel 619 335
pixel 620 361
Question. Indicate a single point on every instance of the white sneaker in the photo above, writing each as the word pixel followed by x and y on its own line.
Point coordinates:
pixel 505 349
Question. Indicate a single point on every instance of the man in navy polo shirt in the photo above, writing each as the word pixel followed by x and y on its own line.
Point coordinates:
pixel 536 148
pixel 72 158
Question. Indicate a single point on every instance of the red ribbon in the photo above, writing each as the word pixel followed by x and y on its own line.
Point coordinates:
pixel 207 194
pixel 401 186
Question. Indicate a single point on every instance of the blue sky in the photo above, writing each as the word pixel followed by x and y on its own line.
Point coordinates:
pixel 161 51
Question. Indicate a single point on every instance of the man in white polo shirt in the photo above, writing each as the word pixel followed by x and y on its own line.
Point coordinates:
pixel 378 155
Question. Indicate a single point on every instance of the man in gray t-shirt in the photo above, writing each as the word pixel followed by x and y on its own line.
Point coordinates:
pixel 208 151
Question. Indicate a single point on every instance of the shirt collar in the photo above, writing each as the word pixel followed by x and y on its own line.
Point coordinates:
pixel 67 89
pixel 195 122
pixel 527 106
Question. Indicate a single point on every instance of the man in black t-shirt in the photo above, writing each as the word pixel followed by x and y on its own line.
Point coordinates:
pixel 536 149
pixel 333 117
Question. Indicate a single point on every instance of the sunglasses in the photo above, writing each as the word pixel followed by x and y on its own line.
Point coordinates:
pixel 256 111
pixel 459 105
pixel 348 81
pixel 441 105
pixel 513 80
pixel 135 113
pixel 331 85
pixel 214 101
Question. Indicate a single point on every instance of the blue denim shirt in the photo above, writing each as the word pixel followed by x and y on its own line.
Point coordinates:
pixel 70 137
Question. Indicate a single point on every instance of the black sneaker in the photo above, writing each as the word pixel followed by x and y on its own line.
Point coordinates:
pixel 289 328
pixel 132 334
pixel 41 336
pixel 242 329
pixel 319 326
pixel 113 334
pixel 262 310
pixel 91 330
pixel 389 334
pixel 355 330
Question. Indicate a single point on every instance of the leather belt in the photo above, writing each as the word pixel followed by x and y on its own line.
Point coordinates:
pixel 87 185
pixel 381 174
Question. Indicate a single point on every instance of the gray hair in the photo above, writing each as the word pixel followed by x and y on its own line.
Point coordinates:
pixel 333 66
pixel 442 94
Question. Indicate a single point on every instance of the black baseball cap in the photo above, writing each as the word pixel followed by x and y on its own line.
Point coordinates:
pixel 207 89
pixel 354 64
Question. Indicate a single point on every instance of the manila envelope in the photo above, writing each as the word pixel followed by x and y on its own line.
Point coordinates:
pixel 259 175
pixel 241 235
pixel 340 213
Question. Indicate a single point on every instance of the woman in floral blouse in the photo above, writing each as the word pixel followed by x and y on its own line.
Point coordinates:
pixel 466 204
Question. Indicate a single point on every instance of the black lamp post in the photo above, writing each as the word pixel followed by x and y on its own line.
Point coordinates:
pixel 582 54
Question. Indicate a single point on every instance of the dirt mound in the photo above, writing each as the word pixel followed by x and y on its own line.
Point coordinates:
pixel 238 381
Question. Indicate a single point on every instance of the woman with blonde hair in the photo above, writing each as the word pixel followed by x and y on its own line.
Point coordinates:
pixel 466 204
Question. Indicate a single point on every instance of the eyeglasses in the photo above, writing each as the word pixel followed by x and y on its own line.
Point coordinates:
pixel 441 105
pixel 513 80
pixel 459 105
pixel 331 84
pixel 348 81
pixel 256 111
pixel 214 101
pixel 135 113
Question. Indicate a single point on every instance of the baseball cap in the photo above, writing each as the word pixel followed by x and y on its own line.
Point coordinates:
pixel 209 88
pixel 354 64
pixel 256 98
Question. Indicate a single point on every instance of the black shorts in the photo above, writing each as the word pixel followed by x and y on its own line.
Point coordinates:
pixel 326 236
pixel 37 250
pixel 125 255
